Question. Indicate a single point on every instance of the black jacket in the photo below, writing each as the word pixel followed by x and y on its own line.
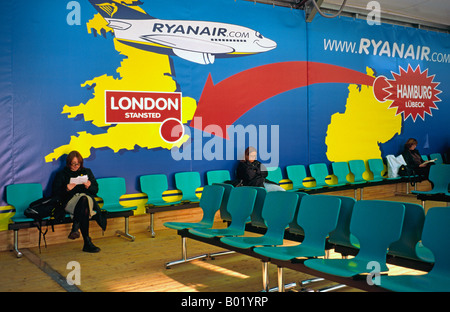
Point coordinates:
pixel 252 173
pixel 409 159
pixel 59 190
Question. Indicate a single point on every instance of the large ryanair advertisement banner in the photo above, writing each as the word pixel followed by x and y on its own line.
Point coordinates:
pixel 147 87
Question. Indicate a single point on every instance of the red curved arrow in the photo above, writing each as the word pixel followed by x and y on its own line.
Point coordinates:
pixel 222 104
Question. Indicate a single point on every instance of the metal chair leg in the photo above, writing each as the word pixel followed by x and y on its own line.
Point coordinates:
pixel 126 234
pixel 184 257
pixel 16 244
pixel 151 228
pixel 265 276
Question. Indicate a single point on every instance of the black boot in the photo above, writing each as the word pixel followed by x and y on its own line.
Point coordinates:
pixel 75 232
pixel 89 247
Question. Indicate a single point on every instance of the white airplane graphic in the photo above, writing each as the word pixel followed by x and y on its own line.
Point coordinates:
pixel 196 41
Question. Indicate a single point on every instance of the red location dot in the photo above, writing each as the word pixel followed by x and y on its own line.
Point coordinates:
pixel 379 88
pixel 171 130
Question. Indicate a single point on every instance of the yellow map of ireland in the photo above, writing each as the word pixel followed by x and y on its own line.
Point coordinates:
pixel 140 70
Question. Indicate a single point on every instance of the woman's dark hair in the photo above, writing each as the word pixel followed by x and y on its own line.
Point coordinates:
pixel 249 150
pixel 410 143
pixel 71 156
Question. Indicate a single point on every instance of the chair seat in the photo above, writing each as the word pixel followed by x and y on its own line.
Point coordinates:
pixel 162 202
pixel 342 267
pixel 249 242
pixel 25 219
pixel 289 252
pixel 209 233
pixel 192 199
pixel 429 193
pixel 416 283
pixel 188 225
pixel 118 208
pixel 424 253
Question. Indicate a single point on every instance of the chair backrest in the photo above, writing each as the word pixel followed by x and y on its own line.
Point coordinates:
pixel 357 167
pixel 274 174
pixel 154 185
pixel 411 232
pixel 224 214
pixel 294 228
pixel 440 177
pixel 210 201
pixel 187 182
pixel 21 195
pixel 217 176
pixel 438 157
pixel 296 173
pixel 318 216
pixel 376 224
pixel 341 235
pixel 436 237
pixel 256 217
pixel 278 211
pixel 110 190
pixel 319 172
pixel 240 206
pixel 340 170
pixel 376 166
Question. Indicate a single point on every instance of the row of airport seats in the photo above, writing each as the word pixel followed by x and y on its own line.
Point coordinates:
pixel 379 231
pixel 22 194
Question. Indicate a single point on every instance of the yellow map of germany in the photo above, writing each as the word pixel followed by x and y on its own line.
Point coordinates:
pixel 355 134
pixel 140 70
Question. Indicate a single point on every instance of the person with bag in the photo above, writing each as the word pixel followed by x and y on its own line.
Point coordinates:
pixel 76 187
pixel 252 173
pixel 413 159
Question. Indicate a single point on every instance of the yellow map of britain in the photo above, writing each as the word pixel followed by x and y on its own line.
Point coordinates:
pixel 140 70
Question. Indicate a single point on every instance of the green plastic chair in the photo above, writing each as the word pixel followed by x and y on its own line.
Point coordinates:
pixel 256 218
pixel 319 172
pixel 341 235
pixel 296 173
pixel 240 206
pixel 407 245
pixel 154 185
pixel 209 203
pixel 376 224
pixel 439 176
pixel 376 166
pixel 357 167
pixel 318 216
pixel 294 228
pixel 110 190
pixel 276 222
pixel 436 237
pixel 274 174
pixel 188 182
pixel 20 196
pixel 217 176
pixel 224 214
pixel 340 170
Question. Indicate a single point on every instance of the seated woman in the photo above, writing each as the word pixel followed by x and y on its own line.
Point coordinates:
pixel 414 160
pixel 253 173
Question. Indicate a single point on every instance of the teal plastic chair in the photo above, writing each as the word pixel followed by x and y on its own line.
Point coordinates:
pixel 436 237
pixel 256 218
pixel 240 206
pixel 154 185
pixel 188 182
pixel 296 173
pixel 376 166
pixel 276 222
pixel 413 222
pixel 294 228
pixel 357 167
pixel 110 190
pixel 319 172
pixel 217 176
pixel 439 176
pixel 340 171
pixel 224 214
pixel 438 157
pixel 274 174
pixel 376 224
pixel 20 196
pixel 342 236
pixel 317 215
pixel 210 203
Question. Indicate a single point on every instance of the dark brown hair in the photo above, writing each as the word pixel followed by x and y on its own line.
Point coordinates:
pixel 410 143
pixel 71 156
pixel 249 150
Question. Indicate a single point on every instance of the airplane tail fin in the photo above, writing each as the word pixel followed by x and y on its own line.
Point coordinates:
pixel 113 9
